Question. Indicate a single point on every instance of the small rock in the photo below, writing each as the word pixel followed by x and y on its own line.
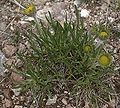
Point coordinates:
pixel 29 19
pixel 112 103
pixel 84 13
pixel 66 92
pixel 111 19
pixel 22 98
pixel 2 57
pixel 9 50
pixel 8 93
pixel 22 22
pixel 118 26
pixel 1 97
pixel 31 106
pixel 16 77
pixel 2 26
pixel 9 62
pixel 70 98
pixel 16 91
pixel 77 2
pixel 12 28
pixel 40 14
pixel 44 99
pixel 40 2
pixel 51 101
pixel 8 103
pixel 18 106
pixel 105 106
pixel 64 101
pixel 104 6
pixel 69 106
pixel 87 104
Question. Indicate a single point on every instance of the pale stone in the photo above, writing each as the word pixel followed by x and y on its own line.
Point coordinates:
pixel 64 101
pixel 8 103
pixel 69 106
pixel 9 50
pixel 18 106
pixel 2 26
pixel 2 59
pixel 16 91
pixel 84 13
pixel 16 77
pixel 51 101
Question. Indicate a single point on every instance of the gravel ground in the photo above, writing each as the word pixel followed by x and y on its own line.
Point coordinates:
pixel 11 18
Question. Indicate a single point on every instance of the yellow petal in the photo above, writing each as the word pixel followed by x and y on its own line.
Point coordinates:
pixel 104 60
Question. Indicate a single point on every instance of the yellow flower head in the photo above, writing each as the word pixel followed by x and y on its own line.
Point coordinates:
pixel 29 9
pixel 104 60
pixel 103 35
pixel 87 48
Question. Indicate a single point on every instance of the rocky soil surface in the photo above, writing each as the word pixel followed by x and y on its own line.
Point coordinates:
pixel 11 18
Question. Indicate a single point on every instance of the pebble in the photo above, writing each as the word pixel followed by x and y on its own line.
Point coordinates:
pixel 64 101
pixel 2 26
pixel 2 59
pixel 51 101
pixel 17 78
pixel 9 62
pixel 9 50
pixel 66 92
pixel 18 106
pixel 69 106
pixel 8 103
pixel 16 91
